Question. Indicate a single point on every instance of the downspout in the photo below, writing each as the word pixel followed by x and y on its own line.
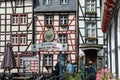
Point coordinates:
pixel 110 49
pixel 33 23
pixel 5 21
pixel 77 31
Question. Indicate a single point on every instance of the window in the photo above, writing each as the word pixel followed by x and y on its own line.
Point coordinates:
pixel 19 2
pixel 19 39
pixel 48 59
pixel 64 1
pixel 90 5
pixel 23 19
pixel 30 64
pixel 63 20
pixel 15 19
pixel 62 38
pixel 22 39
pixel 48 20
pixel 14 39
pixel 47 1
pixel 19 19
pixel 91 30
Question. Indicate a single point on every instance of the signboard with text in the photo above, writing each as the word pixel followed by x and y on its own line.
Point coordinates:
pixel 50 46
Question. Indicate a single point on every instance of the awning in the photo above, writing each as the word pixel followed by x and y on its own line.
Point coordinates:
pixel 107 14
pixel 91 46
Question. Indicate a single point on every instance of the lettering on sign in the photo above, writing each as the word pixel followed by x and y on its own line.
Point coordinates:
pixel 49 46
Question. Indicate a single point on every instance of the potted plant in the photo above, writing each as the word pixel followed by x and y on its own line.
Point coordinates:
pixel 90 13
pixel 91 39
pixel 90 22
pixel 64 25
pixel 49 25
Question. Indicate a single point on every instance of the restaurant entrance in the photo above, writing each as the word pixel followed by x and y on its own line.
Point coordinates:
pixel 91 57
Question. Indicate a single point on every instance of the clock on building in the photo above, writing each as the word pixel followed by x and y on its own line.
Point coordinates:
pixel 49 36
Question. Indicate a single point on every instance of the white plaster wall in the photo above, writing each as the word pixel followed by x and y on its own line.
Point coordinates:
pixel 113 63
pixel 119 40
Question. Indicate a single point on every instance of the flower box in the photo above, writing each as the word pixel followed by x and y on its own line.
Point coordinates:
pixel 64 26
pixel 91 39
pixel 91 13
pixel 49 25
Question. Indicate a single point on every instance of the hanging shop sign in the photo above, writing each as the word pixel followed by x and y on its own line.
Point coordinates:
pixel 50 46
pixel 49 36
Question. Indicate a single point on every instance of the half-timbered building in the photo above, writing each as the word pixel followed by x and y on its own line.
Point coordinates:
pixel 92 41
pixel 16 28
pixel 55 32
pixel 43 32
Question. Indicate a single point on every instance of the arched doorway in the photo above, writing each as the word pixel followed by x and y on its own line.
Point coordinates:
pixel 91 56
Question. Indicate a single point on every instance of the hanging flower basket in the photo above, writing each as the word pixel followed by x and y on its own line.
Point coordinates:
pixel 91 13
pixel 64 26
pixel 47 67
pixel 91 39
pixel 90 22
pixel 49 25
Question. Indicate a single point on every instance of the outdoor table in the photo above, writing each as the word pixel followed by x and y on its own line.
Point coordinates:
pixel 20 78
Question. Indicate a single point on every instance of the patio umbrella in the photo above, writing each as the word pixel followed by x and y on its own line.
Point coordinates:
pixel 8 60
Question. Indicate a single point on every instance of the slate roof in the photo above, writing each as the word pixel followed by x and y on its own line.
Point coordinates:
pixel 55 6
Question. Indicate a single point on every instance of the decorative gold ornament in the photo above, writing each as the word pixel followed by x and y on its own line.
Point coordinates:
pixel 49 36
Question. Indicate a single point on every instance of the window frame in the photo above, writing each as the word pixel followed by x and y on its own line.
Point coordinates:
pixel 63 2
pixel 47 2
pixel 23 39
pixel 49 21
pixel 14 40
pixel 91 27
pixel 19 2
pixel 90 3
pixel 63 20
pixel 18 19
pixel 18 36
pixel 62 39
pixel 48 63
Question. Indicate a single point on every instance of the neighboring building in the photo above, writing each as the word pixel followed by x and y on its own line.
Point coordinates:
pixel 16 28
pixel 55 32
pixel 91 37
pixel 111 26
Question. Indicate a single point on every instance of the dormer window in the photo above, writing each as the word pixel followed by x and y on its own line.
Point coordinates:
pixel 47 1
pixel 64 1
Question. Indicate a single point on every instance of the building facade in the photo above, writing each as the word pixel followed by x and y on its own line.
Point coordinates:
pixel 16 28
pixel 91 37
pixel 111 26
pixel 39 31
pixel 55 32
pixel 43 32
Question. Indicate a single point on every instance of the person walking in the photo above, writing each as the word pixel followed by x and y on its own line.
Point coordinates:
pixel 69 67
pixel 57 70
pixel 91 71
